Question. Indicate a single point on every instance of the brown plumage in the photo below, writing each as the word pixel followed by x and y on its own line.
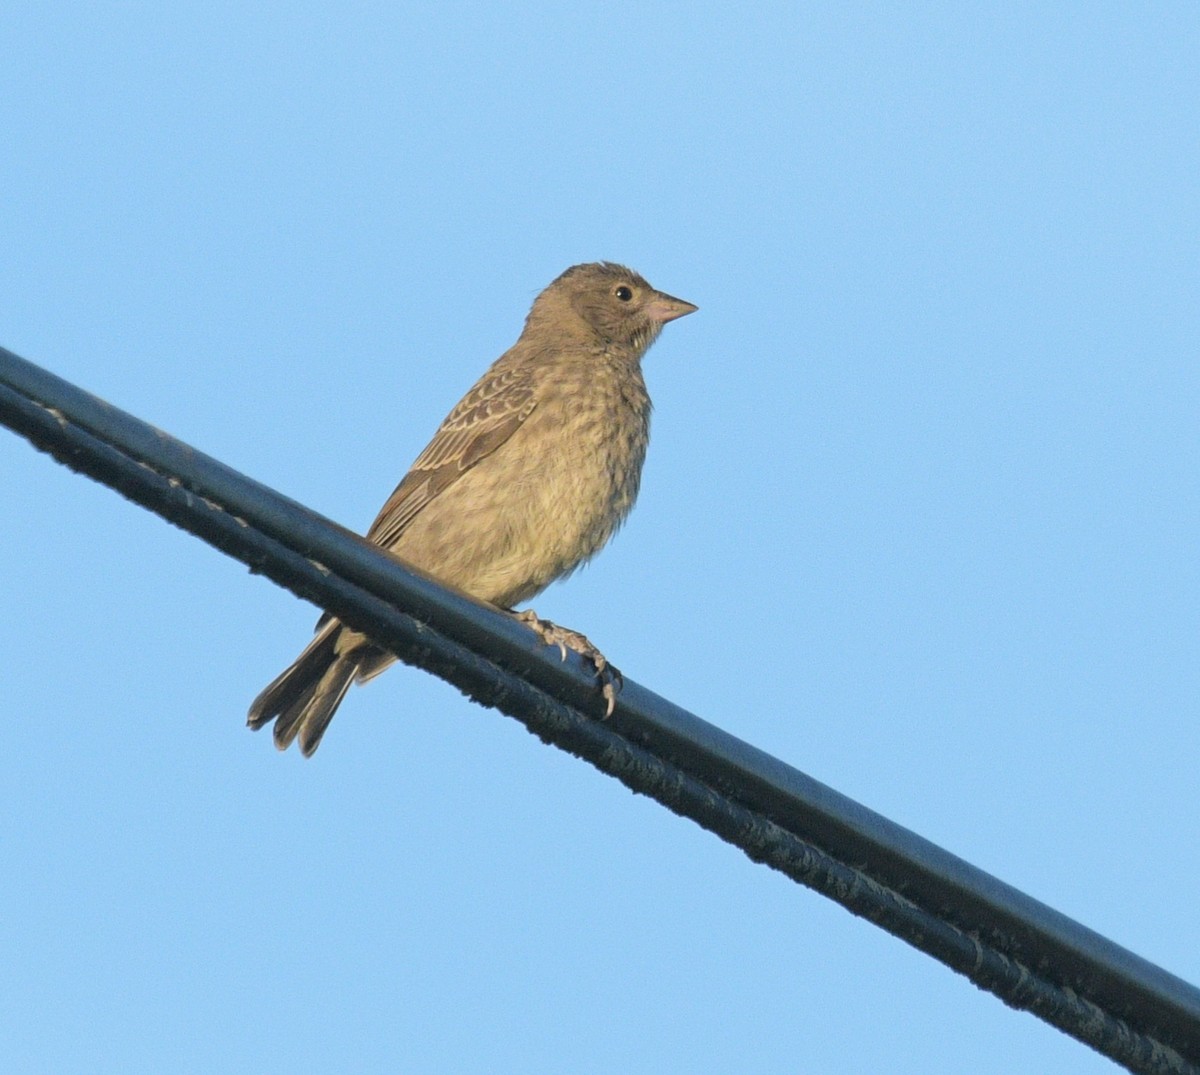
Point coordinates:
pixel 525 480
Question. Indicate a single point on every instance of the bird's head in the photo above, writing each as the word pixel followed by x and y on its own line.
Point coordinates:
pixel 610 303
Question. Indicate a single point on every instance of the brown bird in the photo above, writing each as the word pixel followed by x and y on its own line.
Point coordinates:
pixel 526 479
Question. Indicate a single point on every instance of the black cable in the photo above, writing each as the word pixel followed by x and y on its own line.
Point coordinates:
pixel 1024 952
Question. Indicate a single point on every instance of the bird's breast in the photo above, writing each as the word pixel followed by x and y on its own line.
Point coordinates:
pixel 586 448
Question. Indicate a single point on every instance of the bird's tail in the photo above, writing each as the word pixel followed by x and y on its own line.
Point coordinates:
pixel 303 698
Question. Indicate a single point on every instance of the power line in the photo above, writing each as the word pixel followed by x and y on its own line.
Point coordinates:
pixel 1026 953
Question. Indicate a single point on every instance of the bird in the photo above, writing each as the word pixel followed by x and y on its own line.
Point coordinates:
pixel 527 478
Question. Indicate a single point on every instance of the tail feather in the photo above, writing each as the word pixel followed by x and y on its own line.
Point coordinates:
pixel 304 697
pixel 309 716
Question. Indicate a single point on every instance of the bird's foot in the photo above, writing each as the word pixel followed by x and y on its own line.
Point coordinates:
pixel 565 639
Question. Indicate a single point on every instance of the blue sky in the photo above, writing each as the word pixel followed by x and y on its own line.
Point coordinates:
pixel 920 516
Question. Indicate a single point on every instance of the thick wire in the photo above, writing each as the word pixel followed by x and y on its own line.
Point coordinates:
pixel 1027 954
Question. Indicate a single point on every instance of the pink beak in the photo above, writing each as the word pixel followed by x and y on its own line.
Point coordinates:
pixel 664 308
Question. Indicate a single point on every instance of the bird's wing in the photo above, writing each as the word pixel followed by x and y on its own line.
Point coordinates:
pixel 483 420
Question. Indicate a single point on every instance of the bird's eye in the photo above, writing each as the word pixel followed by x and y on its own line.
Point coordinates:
pixel 623 293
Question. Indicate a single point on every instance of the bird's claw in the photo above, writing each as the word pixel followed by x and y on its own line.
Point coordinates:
pixel 565 639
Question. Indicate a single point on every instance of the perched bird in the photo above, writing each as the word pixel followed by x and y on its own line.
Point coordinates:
pixel 525 480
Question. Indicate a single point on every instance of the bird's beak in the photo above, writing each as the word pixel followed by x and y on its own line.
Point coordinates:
pixel 663 308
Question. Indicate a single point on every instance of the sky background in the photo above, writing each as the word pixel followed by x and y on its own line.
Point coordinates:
pixel 920 516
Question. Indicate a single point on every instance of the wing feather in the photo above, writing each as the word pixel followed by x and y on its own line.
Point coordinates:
pixel 482 421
